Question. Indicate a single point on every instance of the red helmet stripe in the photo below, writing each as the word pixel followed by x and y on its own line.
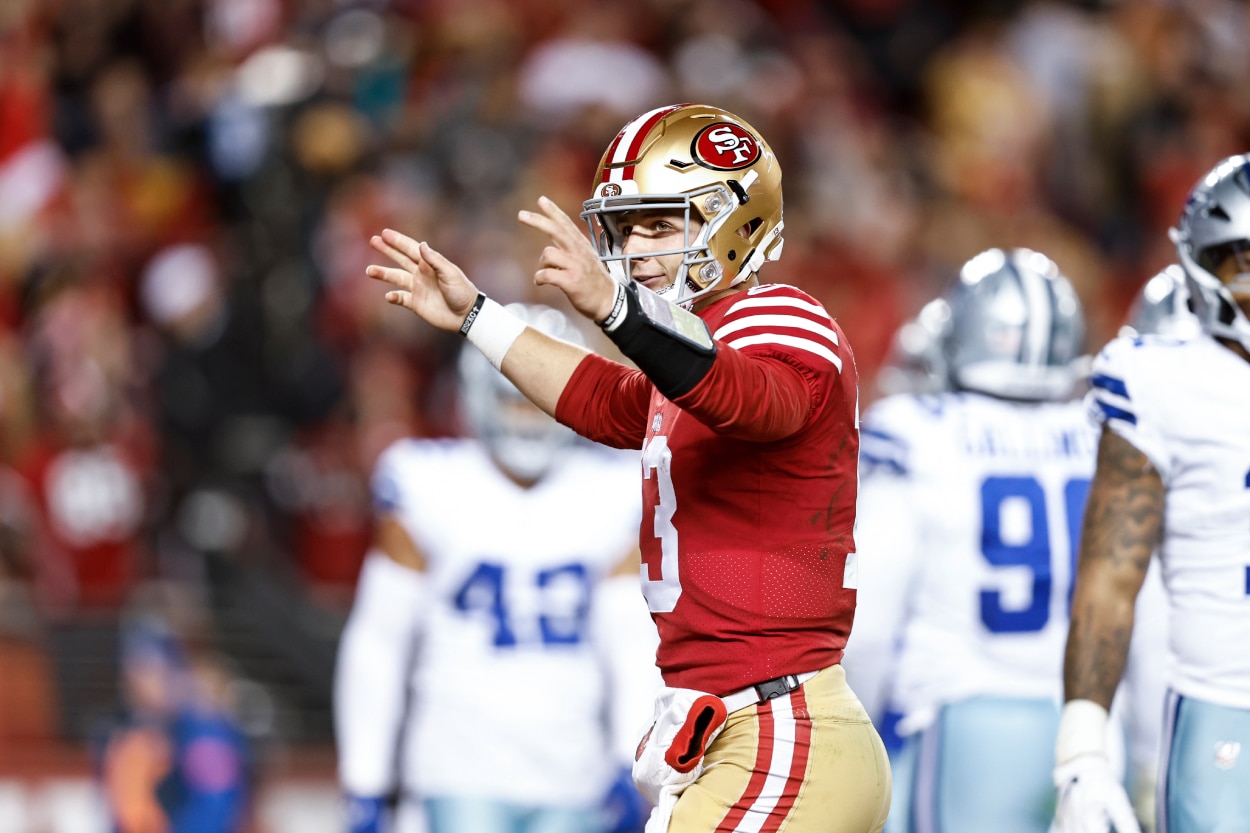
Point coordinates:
pixel 628 143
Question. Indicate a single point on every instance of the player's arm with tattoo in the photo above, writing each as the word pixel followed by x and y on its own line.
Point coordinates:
pixel 1122 523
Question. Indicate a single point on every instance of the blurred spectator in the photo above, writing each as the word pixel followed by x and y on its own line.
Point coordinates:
pixel 28 696
pixel 209 381
pixel 90 469
pixel 175 762
pixel 579 68
pixel 91 465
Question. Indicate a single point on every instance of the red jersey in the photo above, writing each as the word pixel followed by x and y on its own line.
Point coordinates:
pixel 749 487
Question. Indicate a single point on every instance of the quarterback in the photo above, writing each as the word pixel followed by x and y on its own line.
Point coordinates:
pixel 744 404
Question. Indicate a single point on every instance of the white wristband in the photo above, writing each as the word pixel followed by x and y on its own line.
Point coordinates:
pixel 493 330
pixel 1082 731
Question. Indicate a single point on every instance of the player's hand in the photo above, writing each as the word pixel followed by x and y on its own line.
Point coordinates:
pixel 1091 799
pixel 424 281
pixel 365 814
pixel 571 263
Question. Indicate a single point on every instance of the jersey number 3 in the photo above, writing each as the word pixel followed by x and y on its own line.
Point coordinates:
pixel 660 582
pixel 1004 545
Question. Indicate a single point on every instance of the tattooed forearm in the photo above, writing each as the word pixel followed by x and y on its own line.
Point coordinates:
pixel 1122 523
pixel 1125 508
pixel 1097 653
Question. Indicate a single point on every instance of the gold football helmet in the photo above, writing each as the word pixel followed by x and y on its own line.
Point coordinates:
pixel 704 162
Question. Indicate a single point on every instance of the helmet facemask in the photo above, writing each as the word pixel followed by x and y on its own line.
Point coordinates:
pixel 700 272
pixel 703 164
pixel 1215 227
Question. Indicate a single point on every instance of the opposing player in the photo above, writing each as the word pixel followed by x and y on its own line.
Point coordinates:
pixel 914 362
pixel 744 406
pixel 969 505
pixel 914 366
pixel 1161 308
pixel 496 621
pixel 1174 473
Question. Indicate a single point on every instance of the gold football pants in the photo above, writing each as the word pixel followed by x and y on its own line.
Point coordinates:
pixel 806 762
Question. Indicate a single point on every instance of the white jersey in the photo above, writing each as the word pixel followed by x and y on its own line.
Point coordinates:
pixel 1186 406
pixel 508 696
pixel 980 529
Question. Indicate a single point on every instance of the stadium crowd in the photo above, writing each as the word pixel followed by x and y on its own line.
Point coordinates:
pixel 194 368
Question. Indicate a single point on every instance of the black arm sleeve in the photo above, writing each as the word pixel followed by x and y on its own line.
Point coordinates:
pixel 670 345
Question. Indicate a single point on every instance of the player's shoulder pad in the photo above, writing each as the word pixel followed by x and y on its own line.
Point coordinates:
pixel 1114 379
pixel 409 460
pixel 892 430
pixel 774 318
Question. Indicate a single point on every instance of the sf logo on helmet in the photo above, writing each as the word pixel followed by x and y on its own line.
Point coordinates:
pixel 725 147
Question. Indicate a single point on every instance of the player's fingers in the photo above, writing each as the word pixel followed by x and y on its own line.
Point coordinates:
pixel 571 234
pixel 400 298
pixel 443 268
pixel 556 214
pixel 554 256
pixel 389 274
pixel 558 225
pixel 403 244
pixel 381 246
pixel 550 277
pixel 537 221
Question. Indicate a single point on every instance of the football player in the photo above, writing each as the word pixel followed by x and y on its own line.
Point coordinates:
pixel 744 403
pixel 1173 473
pixel 1161 308
pixel 914 362
pixel 496 620
pixel 968 510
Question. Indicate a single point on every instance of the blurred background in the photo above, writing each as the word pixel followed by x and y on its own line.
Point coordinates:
pixel 196 376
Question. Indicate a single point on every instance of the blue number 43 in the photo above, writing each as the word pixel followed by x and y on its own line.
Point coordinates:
pixel 1034 553
pixel 564 592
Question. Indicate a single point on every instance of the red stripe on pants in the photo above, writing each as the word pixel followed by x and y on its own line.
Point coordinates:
pixel 763 760
pixel 798 762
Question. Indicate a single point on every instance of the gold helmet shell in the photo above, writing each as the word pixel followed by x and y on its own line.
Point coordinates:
pixel 705 162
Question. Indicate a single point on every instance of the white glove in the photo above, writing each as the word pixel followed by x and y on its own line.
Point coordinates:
pixel 1091 798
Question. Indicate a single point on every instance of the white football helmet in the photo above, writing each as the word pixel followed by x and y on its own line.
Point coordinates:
pixel 520 438
pixel 915 363
pixel 1016 328
pixel 1214 226
pixel 706 163
pixel 1162 308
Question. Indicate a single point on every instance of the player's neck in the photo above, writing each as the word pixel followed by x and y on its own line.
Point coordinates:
pixel 708 300
pixel 522 482
pixel 1236 346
